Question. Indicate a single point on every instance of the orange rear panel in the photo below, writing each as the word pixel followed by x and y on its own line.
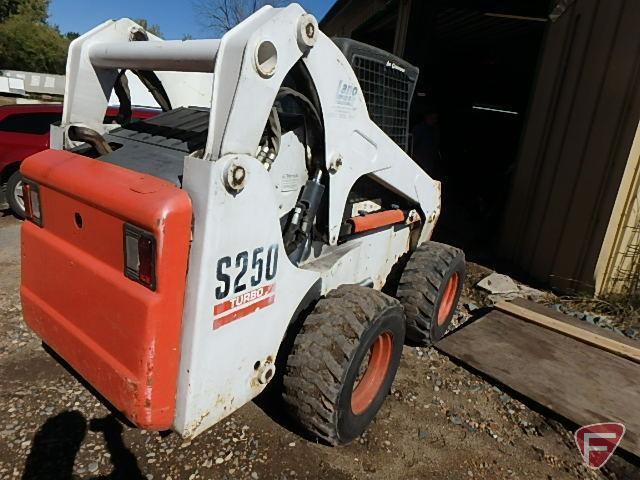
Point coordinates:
pixel 120 336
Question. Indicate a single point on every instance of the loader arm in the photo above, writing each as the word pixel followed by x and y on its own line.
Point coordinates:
pixel 354 147
pixel 352 139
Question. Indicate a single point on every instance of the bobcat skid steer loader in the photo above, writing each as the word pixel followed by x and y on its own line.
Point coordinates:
pixel 175 262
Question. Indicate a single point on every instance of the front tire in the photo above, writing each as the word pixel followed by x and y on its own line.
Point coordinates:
pixel 343 362
pixel 429 290
pixel 14 194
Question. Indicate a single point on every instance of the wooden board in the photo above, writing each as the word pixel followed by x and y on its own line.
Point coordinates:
pixel 581 383
pixel 550 312
pixel 590 337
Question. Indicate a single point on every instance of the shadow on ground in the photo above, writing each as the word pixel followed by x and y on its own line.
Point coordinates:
pixel 7 212
pixel 57 443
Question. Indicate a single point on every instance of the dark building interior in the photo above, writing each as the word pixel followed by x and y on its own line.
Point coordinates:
pixel 531 107
pixel 477 65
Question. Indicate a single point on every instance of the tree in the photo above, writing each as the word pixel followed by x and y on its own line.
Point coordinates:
pixel 220 16
pixel 36 10
pixel 27 42
pixel 36 47
pixel 153 29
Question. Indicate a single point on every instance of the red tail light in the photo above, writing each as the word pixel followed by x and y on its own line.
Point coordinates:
pixel 140 256
pixel 31 197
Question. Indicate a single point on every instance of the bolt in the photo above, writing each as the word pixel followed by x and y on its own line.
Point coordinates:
pixel 235 178
pixel 336 164
pixel 238 174
pixel 307 30
pixel 310 30
pixel 266 373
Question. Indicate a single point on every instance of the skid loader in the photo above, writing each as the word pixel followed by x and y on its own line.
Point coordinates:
pixel 176 264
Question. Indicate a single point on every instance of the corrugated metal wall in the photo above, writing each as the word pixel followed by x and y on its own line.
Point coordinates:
pixel 581 125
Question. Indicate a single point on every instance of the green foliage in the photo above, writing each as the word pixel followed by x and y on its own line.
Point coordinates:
pixel 31 46
pixel 154 29
pixel 27 42
pixel 35 10
pixel 8 8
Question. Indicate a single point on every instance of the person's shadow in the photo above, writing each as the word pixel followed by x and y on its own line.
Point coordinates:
pixel 58 441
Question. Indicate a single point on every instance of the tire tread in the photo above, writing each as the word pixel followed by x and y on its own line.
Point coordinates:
pixel 420 284
pixel 321 353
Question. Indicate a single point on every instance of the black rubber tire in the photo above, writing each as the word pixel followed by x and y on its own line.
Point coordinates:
pixel 14 179
pixel 422 287
pixel 327 354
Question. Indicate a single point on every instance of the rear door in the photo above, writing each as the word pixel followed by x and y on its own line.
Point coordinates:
pixel 104 265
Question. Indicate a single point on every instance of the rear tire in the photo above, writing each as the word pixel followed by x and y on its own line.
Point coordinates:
pixel 343 362
pixel 429 290
pixel 14 194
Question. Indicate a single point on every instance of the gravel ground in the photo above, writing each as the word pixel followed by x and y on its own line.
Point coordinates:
pixel 440 421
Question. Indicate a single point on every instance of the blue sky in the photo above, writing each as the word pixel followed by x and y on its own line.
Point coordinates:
pixel 175 17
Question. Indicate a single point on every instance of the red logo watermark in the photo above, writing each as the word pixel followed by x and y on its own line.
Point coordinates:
pixel 597 442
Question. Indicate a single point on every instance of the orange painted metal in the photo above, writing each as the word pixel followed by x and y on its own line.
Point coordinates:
pixel 448 298
pixel 371 221
pixel 123 338
pixel 369 385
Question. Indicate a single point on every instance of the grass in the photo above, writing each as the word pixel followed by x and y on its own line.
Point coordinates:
pixel 624 309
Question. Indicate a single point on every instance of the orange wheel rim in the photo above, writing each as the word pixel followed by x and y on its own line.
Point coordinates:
pixel 448 298
pixel 373 378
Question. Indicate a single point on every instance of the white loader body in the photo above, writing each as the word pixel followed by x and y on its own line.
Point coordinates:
pixel 242 289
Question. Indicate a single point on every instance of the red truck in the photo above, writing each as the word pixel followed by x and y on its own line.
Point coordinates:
pixel 24 130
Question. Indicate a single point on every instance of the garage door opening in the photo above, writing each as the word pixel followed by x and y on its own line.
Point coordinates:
pixel 530 178
pixel 477 71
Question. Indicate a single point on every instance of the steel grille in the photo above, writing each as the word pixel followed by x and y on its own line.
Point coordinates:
pixel 387 92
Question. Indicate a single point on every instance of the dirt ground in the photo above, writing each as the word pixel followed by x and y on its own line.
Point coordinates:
pixel 440 421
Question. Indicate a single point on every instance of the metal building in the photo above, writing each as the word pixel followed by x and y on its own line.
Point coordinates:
pixel 539 104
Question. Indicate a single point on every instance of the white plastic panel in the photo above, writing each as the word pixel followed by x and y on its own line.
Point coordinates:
pixel 217 373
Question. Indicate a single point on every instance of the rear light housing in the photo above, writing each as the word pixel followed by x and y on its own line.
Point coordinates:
pixel 140 256
pixel 32 205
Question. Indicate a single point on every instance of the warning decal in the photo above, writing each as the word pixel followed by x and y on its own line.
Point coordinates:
pixel 242 305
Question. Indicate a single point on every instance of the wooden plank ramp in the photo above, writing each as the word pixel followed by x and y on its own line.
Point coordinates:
pixel 581 372
pixel 579 332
